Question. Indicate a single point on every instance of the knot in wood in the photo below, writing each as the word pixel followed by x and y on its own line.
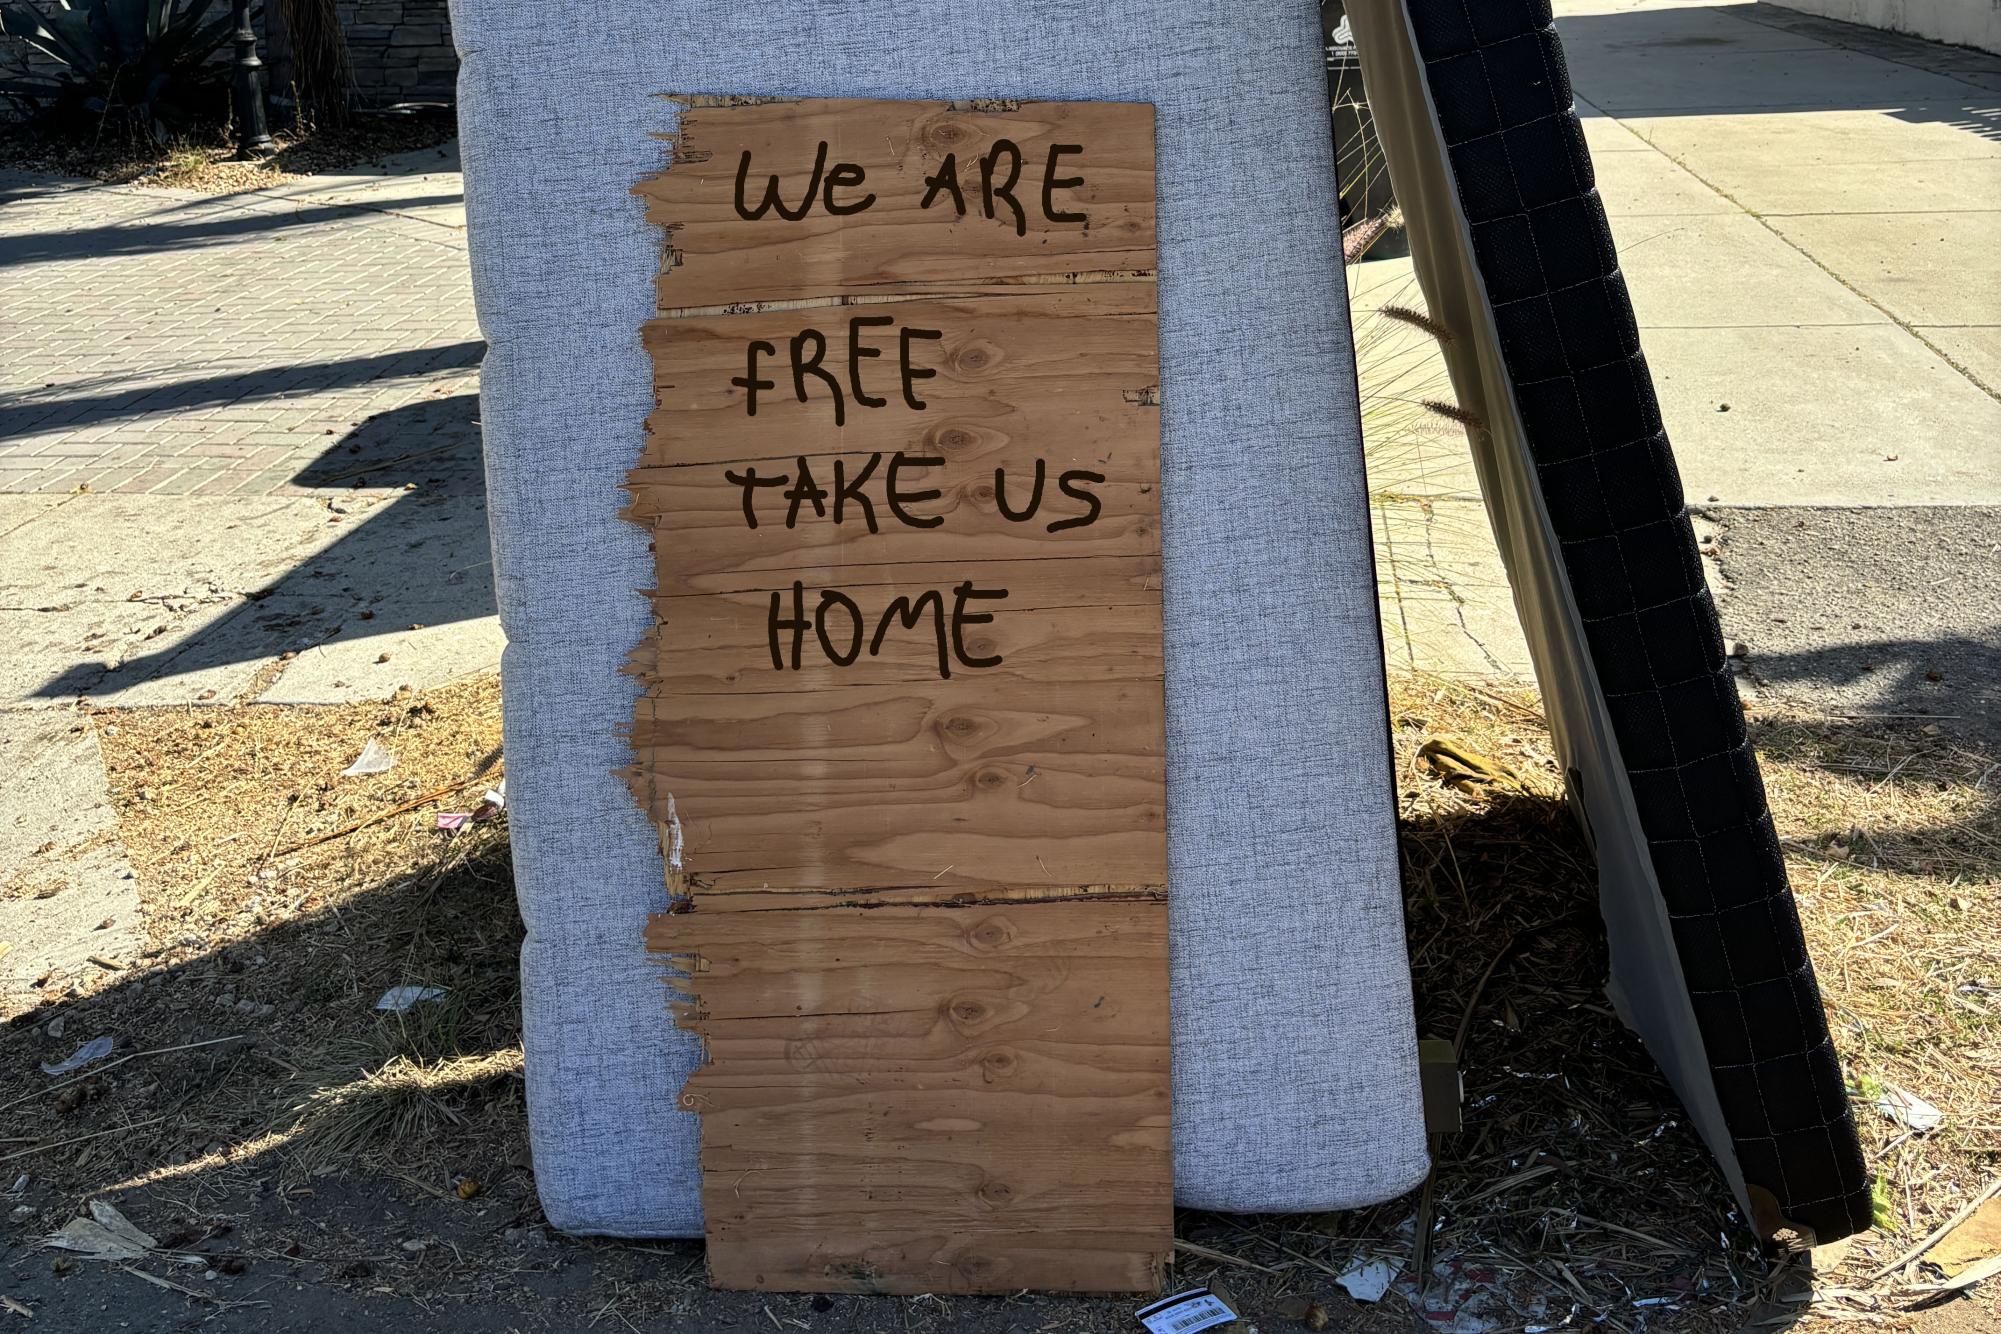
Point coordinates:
pixel 991 934
pixel 976 358
pixel 965 1011
pixel 947 135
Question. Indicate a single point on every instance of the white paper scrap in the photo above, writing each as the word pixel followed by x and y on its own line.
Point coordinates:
pixel 1185 1313
pixel 375 758
pixel 1904 1106
pixel 1368 1280
pixel 94 1050
pixel 398 999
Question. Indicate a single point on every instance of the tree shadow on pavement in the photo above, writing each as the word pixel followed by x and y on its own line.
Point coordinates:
pixel 1745 59
pixel 27 410
pixel 254 218
pixel 1953 679
pixel 418 558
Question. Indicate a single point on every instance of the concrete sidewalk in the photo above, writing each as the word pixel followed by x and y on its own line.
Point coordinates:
pixel 1809 219
pixel 239 460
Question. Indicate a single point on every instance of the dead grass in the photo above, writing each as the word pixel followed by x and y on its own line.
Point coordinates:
pixel 1576 1183
pixel 1893 840
pixel 206 162
pixel 250 933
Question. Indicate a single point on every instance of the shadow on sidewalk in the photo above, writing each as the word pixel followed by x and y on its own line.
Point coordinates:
pixel 1750 59
pixel 24 411
pixel 154 238
pixel 422 558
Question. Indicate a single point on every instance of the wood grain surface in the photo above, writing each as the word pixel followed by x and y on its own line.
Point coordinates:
pixel 717 259
pixel 901 725
pixel 936 1099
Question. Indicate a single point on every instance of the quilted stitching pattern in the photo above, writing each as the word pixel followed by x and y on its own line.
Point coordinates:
pixel 1544 250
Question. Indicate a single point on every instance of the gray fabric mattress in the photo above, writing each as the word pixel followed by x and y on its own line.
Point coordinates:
pixel 1295 1081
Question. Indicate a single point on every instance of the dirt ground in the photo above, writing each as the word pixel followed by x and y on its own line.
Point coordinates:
pixel 305 1161
pixel 205 161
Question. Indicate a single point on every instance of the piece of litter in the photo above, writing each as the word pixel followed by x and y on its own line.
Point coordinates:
pixel 454 819
pixel 105 1235
pixel 1368 1280
pixel 375 758
pixel 1185 1313
pixel 94 1050
pixel 16 1307
pixel 1972 1274
pixel 1976 1238
pixel 397 1000
pixel 1907 1108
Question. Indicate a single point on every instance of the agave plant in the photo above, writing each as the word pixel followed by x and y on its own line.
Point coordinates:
pixel 137 61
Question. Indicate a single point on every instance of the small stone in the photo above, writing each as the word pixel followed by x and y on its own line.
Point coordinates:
pixel 382 657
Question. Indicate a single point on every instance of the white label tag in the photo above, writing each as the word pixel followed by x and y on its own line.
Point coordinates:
pixel 1186 1313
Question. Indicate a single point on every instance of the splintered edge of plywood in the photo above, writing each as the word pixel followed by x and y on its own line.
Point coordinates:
pixel 930 1099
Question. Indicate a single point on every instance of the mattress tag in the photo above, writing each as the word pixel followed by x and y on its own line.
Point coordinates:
pixel 1438 1077
pixel 1185 1313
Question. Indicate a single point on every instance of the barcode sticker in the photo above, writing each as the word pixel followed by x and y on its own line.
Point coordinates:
pixel 1186 1313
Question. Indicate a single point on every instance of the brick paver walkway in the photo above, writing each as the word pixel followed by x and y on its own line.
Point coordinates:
pixel 162 341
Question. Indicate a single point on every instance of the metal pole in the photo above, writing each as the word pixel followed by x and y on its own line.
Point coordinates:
pixel 253 136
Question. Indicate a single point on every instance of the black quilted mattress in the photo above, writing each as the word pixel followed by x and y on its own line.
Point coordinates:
pixel 1510 241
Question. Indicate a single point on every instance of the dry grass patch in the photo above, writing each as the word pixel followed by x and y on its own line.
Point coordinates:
pixel 1893 838
pixel 1576 1193
pixel 279 902
pixel 206 162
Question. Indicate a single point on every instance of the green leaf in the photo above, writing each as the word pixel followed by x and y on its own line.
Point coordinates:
pixel 190 14
pixel 1883 1214
pixel 43 32
pixel 202 42
pixel 124 26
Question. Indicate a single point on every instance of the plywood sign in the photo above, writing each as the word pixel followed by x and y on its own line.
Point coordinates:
pixel 902 726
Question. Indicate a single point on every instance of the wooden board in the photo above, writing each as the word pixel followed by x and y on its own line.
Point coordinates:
pixel 935 1099
pixel 903 485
